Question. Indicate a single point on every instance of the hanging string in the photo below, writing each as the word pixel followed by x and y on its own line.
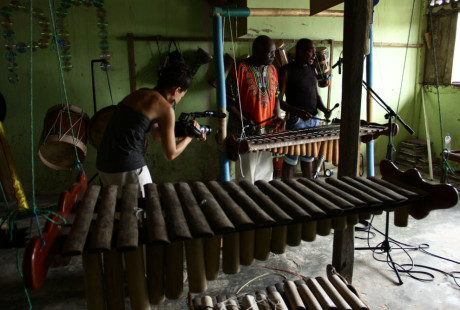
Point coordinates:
pixel 52 7
pixel 238 92
pixel 108 83
pixel 405 57
pixel 445 165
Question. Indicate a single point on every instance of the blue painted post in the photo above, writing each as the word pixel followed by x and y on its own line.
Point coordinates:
pixel 221 97
pixel 369 79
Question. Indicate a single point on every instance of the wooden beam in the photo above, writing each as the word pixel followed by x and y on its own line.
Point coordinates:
pixel 356 22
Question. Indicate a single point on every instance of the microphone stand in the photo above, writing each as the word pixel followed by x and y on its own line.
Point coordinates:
pixel 385 246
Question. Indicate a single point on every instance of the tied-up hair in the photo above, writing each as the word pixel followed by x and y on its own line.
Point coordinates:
pixel 176 74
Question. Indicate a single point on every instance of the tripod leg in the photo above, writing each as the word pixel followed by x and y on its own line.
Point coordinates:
pixel 394 268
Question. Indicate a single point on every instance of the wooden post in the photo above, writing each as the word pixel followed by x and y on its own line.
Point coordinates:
pixel 356 21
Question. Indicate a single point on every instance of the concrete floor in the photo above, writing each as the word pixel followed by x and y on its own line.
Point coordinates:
pixel 375 281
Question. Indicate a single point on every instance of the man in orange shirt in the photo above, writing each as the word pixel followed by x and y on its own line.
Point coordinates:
pixel 255 83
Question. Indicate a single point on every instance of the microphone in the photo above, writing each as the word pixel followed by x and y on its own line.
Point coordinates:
pixel 215 114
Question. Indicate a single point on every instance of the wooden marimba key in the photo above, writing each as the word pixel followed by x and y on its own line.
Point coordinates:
pixel 249 220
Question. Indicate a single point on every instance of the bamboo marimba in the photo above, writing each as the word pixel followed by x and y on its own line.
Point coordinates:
pixel 313 142
pixel 152 234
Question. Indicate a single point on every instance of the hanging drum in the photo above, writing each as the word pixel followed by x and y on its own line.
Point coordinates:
pixel 98 123
pixel 281 57
pixel 64 135
pixel 323 71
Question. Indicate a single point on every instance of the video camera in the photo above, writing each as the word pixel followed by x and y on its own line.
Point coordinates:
pixel 185 127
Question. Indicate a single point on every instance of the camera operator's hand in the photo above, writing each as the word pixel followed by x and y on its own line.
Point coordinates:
pixel 202 133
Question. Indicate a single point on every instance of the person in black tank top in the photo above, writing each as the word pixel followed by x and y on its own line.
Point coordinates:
pixel 120 155
pixel 298 81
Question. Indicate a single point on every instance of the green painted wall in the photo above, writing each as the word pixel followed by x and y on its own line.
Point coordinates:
pixel 191 18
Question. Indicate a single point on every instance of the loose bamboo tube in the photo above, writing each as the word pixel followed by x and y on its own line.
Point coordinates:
pixel 101 237
pixel 262 300
pixel 247 245
pixel 195 265
pixel 293 297
pixel 206 303
pixel 262 244
pixel 231 253
pixel 128 231
pixel 113 279
pixel 155 273
pixel 308 297
pixel 347 294
pixel 324 227
pixel 332 292
pixel 401 216
pixel 174 276
pixel 232 305
pixel 339 223
pixel 294 234
pixel 212 256
pixel 309 231
pixel 249 303
pixel 279 239
pixel 94 286
pixel 77 237
pixel 325 301
pixel 135 276
pixel 276 299
pixel 197 303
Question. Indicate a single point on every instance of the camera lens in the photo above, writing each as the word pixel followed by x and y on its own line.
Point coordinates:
pixel 206 129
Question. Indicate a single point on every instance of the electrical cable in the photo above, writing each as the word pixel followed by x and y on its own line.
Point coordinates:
pixel 408 268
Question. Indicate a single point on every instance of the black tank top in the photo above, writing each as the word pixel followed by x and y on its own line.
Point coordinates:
pixel 301 88
pixel 123 144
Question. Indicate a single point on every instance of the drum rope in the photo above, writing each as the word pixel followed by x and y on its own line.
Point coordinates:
pixel 445 165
